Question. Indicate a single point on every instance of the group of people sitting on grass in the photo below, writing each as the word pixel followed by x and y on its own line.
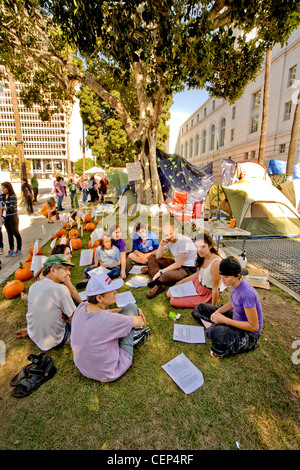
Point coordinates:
pixel 103 338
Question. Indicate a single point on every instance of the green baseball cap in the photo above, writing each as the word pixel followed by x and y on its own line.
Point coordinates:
pixel 59 258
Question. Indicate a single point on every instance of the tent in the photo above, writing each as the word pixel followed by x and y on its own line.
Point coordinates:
pixel 177 174
pixel 278 167
pixel 258 207
pixel 291 189
pixel 95 169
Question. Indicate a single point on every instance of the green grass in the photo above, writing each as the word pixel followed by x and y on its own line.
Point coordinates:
pixel 251 398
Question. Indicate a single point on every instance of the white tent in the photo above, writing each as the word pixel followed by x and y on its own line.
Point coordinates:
pixel 94 170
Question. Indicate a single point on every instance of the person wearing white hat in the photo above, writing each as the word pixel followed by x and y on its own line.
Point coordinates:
pixel 103 340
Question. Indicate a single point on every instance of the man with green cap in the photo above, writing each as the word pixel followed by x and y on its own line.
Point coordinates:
pixel 50 306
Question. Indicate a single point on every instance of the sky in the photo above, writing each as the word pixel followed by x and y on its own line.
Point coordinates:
pixel 185 104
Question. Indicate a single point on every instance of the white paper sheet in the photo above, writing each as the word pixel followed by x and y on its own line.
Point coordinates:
pixel 86 257
pixel 99 270
pixel 187 289
pixel 125 298
pixel 37 263
pixel 136 269
pixel 184 373
pixel 137 281
pixel 207 324
pixel 189 334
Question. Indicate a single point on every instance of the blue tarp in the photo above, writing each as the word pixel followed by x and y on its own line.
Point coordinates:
pixel 177 174
pixel 278 167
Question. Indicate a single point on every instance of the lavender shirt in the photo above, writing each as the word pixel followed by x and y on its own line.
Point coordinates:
pixel 95 343
pixel 245 296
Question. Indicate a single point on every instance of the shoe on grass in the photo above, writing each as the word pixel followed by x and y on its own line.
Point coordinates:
pixel 142 336
pixel 155 291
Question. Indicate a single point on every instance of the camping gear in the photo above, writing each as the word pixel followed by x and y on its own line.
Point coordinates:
pixel 258 207
pixel 278 167
pixel 291 189
pixel 33 375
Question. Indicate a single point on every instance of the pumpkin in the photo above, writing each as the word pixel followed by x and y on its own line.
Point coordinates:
pixel 31 251
pixel 13 288
pixel 27 264
pixel 94 245
pixel 75 243
pixel 61 232
pixel 90 227
pixel 53 237
pixel 73 233
pixel 29 258
pixel 88 218
pixel 23 273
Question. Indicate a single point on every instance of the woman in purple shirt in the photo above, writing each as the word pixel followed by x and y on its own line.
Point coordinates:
pixel 236 326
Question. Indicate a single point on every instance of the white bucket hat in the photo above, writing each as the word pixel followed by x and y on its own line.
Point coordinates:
pixel 101 284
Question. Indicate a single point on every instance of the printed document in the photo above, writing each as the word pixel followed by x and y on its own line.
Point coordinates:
pixel 125 298
pixel 184 373
pixel 187 289
pixel 189 334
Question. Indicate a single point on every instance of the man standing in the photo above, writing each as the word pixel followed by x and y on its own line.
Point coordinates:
pixel 27 196
pixel 50 306
pixel 164 270
pixel 35 188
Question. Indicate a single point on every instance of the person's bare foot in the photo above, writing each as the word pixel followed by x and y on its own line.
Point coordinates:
pixel 22 333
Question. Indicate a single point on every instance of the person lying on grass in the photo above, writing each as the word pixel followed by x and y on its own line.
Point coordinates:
pixel 103 340
pixel 50 306
pixel 236 326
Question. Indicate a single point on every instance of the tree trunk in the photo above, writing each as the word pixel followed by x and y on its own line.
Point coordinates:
pixel 263 132
pixel 293 142
pixel 19 143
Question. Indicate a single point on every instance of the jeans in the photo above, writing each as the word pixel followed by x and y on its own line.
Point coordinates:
pixel 113 273
pixel 84 196
pixel 59 201
pixel 126 343
pixel 66 337
pixel 12 228
pixel 226 340
pixel 74 200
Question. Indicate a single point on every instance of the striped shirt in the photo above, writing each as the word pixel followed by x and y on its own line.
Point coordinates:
pixel 11 204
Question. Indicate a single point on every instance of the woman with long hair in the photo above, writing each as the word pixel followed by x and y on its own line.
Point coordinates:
pixel 207 278
pixel 11 218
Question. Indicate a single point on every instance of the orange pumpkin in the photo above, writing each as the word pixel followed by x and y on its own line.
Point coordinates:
pixel 90 227
pixel 61 232
pixel 88 218
pixel 75 243
pixel 23 273
pixel 31 251
pixel 29 258
pixel 94 245
pixel 13 288
pixel 73 233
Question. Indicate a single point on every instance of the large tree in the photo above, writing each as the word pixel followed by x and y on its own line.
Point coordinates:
pixel 162 44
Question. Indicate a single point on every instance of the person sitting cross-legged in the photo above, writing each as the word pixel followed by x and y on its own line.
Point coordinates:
pixel 50 306
pixel 144 244
pixel 163 270
pixel 102 339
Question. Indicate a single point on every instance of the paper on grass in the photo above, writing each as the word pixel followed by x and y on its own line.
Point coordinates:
pixel 86 257
pixel 99 270
pixel 137 281
pixel 186 289
pixel 125 298
pixel 184 373
pixel 136 269
pixel 189 334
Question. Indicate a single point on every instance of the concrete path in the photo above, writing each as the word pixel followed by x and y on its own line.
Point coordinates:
pixel 31 228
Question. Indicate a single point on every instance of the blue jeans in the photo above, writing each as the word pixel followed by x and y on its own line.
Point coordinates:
pixel 66 337
pixel 113 273
pixel 59 201
pixel 126 343
pixel 84 196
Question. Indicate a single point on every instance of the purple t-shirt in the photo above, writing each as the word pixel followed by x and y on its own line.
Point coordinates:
pixel 121 244
pixel 245 296
pixel 95 343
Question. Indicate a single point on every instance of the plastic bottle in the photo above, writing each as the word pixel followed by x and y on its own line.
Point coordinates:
pixel 243 260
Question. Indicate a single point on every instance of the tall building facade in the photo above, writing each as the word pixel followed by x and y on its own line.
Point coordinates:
pixel 221 130
pixel 44 143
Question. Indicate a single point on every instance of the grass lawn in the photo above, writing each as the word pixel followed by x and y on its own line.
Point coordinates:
pixel 251 398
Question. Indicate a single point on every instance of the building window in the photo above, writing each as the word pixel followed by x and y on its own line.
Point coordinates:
pixel 204 141
pixel 256 100
pixel 255 111
pixel 212 137
pixel 292 75
pixel 233 112
pixel 282 148
pixel 191 148
pixel 186 127
pixel 192 123
pixel 214 105
pixel 252 154
pixel 287 110
pixel 223 129
pixel 204 112
pixel 181 150
pixel 197 144
pixel 197 117
pixel 232 135
pixel 185 150
pixel 254 124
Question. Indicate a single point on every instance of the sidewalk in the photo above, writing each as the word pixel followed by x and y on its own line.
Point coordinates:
pixel 31 228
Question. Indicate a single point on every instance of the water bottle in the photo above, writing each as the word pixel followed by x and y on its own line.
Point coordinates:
pixel 243 260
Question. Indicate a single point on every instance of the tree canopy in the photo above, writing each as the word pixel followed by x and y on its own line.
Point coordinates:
pixel 161 44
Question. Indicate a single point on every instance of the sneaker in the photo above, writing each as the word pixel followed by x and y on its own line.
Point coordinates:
pixel 9 253
pixel 214 355
pixel 17 253
pixel 155 291
pixel 142 336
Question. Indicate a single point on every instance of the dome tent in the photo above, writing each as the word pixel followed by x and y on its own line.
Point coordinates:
pixel 258 207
